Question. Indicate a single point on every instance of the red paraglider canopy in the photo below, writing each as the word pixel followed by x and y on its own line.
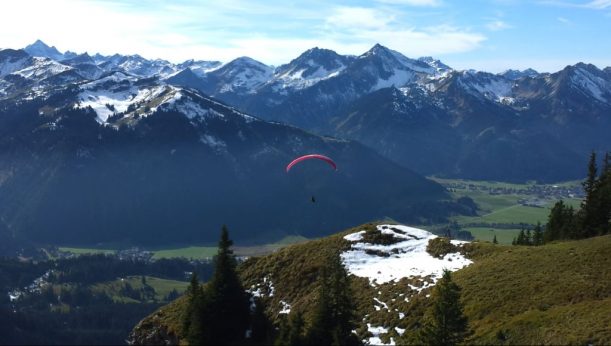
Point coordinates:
pixel 311 156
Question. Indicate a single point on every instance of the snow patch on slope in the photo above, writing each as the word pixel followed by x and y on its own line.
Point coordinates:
pixel 42 68
pixel 107 102
pixel 406 258
pixel 592 84
pixel 398 79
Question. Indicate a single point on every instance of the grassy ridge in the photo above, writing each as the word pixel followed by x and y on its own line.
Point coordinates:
pixel 554 294
pixel 513 290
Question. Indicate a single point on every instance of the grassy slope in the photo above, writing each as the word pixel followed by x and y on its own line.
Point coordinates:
pixel 503 236
pixel 558 293
pixel 201 252
pixel 551 294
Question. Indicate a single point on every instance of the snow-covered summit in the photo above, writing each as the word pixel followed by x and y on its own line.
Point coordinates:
pixel 405 258
pixel 591 81
pixel 12 60
pixel 242 74
pixel 436 64
pixel 490 86
pixel 309 68
pixel 41 49
pixel 517 74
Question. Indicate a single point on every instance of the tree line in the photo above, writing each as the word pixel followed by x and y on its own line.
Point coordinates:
pixel 221 312
pixel 593 217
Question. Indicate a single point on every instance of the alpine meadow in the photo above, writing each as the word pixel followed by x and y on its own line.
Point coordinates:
pixel 371 172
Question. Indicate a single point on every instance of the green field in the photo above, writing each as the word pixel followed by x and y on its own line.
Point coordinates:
pixel 503 206
pixel 192 252
pixel 200 252
pixel 86 251
pixel 503 236
pixel 162 287
pixel 504 212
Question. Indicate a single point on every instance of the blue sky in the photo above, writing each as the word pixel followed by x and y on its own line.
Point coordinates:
pixel 491 35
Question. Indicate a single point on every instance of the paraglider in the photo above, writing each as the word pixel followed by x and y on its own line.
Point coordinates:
pixel 311 156
pixel 308 157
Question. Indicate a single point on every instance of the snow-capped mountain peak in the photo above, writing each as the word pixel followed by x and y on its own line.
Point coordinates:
pixel 589 79
pixel 243 73
pixel 517 74
pixel 12 60
pixel 41 49
pixel 436 64
pixel 490 86
pixel 310 67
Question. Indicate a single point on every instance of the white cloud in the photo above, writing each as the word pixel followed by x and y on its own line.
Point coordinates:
pixel 564 20
pixel 497 25
pixel 593 4
pixel 599 4
pixel 188 30
pixel 369 26
pixel 359 18
pixel 432 3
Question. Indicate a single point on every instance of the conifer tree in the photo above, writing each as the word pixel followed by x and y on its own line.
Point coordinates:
pixel 192 324
pixel 603 198
pixel 227 302
pixel 282 338
pixel 260 326
pixel 333 319
pixel 445 322
pixel 291 331
pixel 494 241
pixel 589 205
pixel 560 224
pixel 521 237
pixel 528 238
pixel 218 314
pixel 537 235
pixel 296 328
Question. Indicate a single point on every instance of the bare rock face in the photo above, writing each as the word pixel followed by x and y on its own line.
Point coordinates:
pixel 151 332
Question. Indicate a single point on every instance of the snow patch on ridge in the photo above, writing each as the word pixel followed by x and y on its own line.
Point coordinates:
pixel 406 258
pixel 376 332
pixel 107 102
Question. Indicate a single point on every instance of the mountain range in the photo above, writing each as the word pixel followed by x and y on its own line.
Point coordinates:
pixel 420 113
pixel 92 150
pixel 97 148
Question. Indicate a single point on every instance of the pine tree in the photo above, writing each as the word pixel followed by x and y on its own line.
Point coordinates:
pixel 603 198
pixel 261 328
pixel 494 241
pixel 319 332
pixel 291 332
pixel 282 338
pixel 227 305
pixel 521 238
pixel 296 328
pixel 560 224
pixel 537 235
pixel 218 314
pixel 192 324
pixel 333 319
pixel 445 322
pixel 589 205
pixel 528 238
